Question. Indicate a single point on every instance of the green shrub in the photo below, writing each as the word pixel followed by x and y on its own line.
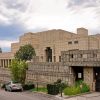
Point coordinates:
pixel 28 86
pixel 79 87
pixel 64 85
pixel 72 90
pixel 79 82
pixel 56 87
pixel 60 85
pixel 85 88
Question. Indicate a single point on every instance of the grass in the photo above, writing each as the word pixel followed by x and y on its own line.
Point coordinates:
pixel 40 89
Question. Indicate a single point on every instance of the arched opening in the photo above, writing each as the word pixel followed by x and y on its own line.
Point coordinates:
pixel 48 52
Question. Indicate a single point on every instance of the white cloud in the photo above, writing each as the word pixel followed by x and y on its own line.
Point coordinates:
pixel 57 14
pixel 63 14
pixel 39 15
pixel 5 43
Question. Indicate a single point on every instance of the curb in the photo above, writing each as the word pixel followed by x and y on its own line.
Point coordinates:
pixel 58 96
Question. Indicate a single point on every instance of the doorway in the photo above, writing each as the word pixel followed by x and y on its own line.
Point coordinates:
pixel 48 52
pixel 78 72
pixel 97 78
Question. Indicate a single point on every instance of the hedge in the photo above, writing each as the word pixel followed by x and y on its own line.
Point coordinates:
pixel 28 86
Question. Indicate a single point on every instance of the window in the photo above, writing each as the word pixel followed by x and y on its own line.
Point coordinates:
pixel 59 58
pixel 70 42
pixel 71 56
pixel 76 42
pixel 54 58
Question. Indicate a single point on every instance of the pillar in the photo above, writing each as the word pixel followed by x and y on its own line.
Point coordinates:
pixel 88 77
pixel 9 62
pixel 3 63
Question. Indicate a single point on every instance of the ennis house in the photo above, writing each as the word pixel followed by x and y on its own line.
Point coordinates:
pixel 60 54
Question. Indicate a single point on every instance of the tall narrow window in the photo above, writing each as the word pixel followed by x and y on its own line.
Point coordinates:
pixel 54 58
pixel 59 58
pixel 71 56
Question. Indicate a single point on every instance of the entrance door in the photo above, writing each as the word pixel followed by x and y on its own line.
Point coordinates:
pixel 78 73
pixel 97 78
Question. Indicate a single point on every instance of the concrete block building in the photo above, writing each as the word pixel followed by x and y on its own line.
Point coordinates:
pixel 49 45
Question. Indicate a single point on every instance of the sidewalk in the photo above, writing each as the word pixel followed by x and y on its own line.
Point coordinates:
pixel 89 96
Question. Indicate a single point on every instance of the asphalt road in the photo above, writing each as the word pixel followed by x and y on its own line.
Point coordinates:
pixel 4 95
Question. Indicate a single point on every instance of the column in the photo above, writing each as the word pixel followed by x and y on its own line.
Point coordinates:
pixel 8 62
pixel 88 76
pixel 3 63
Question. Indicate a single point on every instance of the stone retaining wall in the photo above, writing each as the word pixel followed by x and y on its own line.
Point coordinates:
pixel 4 75
pixel 49 73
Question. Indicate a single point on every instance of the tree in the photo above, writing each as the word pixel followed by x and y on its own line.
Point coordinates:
pixel 18 70
pixel 18 65
pixel 25 52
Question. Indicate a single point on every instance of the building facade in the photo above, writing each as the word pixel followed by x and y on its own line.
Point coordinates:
pixel 84 65
pixel 49 44
pixel 58 53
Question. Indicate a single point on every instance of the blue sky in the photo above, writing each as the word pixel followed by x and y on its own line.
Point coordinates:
pixel 21 16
